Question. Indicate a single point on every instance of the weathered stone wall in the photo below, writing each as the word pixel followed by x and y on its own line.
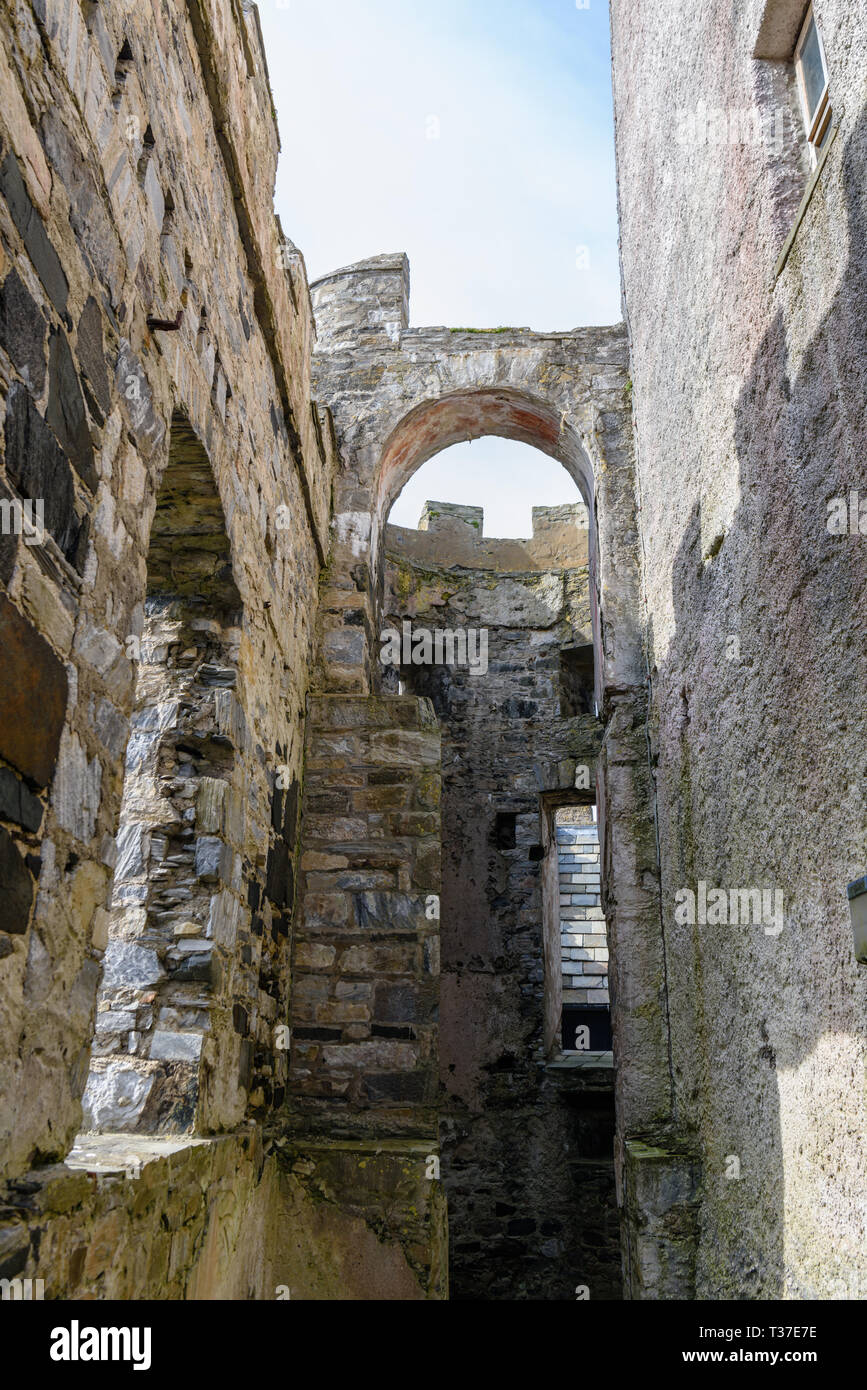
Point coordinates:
pixel 527 1149
pixel 366 952
pixel 749 389
pixel 156 373
pixel 399 395
pixel 137 164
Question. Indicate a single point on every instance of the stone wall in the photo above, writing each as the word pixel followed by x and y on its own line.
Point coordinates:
pixel 399 395
pixel 365 991
pixel 527 1149
pixel 175 594
pixel 749 384
pixel 105 113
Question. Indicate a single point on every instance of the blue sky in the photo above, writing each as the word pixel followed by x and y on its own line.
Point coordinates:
pixel 477 137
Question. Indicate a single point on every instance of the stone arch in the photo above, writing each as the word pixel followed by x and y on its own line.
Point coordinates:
pixel 163 1043
pixel 452 418
pixel 510 757
pixel 439 422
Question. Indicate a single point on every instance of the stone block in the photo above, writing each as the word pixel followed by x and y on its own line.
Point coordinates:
pixel 135 394
pixel 88 215
pixel 115 1097
pixel 127 963
pixel 279 885
pixel 39 469
pixel 414 1087
pixel 396 1003
pixel 381 1052
pixel 48 606
pixel 176 1047
pixel 311 955
pixel 17 802
pixel 22 332
pixel 33 692
pixel 76 792
pixel 65 411
pixel 91 352
pixel 208 854
pixel 32 232
pixel 115 1021
pixel 16 898
pixel 223 919
pixel 390 912
pixel 209 805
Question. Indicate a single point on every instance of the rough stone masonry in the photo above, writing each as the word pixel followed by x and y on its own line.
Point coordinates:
pixel 280 980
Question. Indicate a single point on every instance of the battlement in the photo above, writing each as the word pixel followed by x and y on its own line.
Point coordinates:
pixel 452 535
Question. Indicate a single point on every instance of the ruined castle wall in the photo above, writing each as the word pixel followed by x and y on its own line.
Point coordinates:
pixel 527 1148
pixel 137 159
pixel 749 388
pixel 401 394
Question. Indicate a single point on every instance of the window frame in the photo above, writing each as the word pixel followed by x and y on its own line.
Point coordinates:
pixel 818 124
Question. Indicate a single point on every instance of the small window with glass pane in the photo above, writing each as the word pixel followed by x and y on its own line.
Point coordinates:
pixel 812 73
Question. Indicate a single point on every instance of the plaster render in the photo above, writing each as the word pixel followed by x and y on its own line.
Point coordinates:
pixel 749 395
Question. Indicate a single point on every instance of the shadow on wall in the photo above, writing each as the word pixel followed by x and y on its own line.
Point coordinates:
pixel 762 785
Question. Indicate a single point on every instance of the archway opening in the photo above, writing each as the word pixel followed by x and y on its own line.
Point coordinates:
pixel 444 421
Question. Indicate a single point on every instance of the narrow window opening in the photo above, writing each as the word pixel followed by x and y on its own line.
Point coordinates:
pixel 168 216
pixel 586 1016
pixel 811 71
pixel 575 938
pixel 576 681
pixel 147 150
